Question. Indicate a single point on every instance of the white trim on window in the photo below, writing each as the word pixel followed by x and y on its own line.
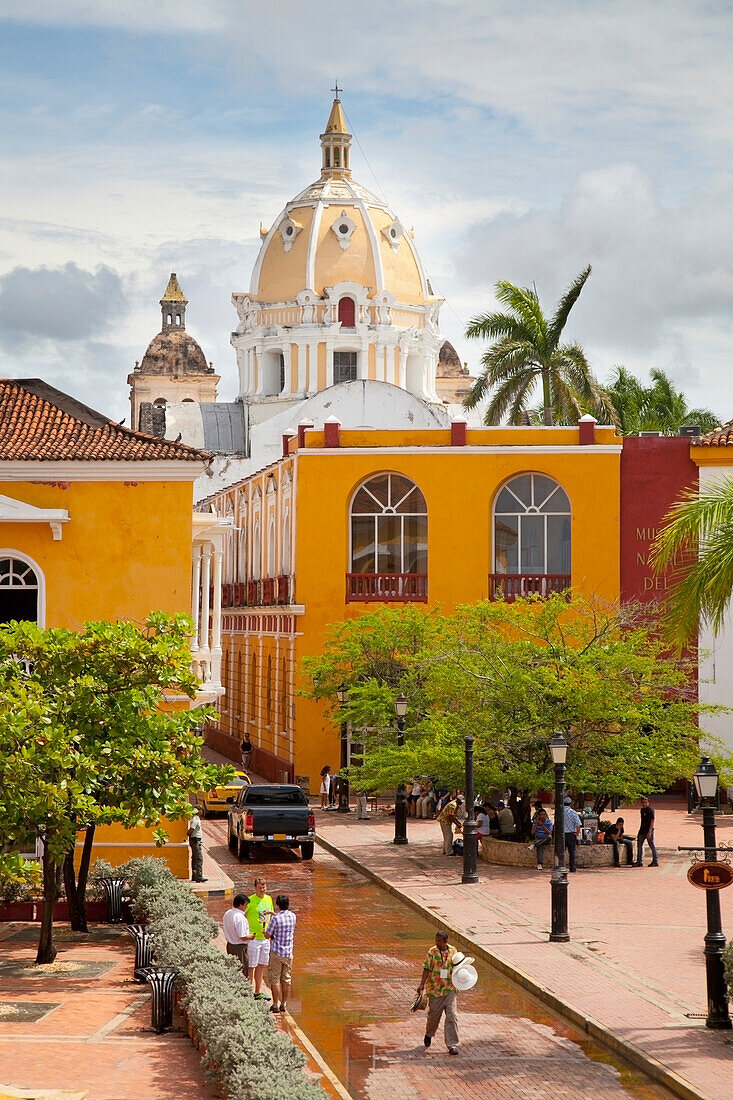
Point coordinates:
pixel 10 552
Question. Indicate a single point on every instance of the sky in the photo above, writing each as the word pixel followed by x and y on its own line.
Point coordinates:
pixel 522 141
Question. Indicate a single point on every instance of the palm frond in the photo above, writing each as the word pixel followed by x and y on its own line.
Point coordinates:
pixel 493 326
pixel 506 396
pixel 566 303
pixel 525 304
pixel 702 588
pixel 692 520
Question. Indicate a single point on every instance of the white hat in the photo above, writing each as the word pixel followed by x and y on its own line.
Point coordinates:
pixel 459 959
pixel 465 977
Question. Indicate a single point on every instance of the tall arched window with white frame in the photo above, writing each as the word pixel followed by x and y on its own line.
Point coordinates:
pixel 532 538
pixel 20 590
pixel 389 541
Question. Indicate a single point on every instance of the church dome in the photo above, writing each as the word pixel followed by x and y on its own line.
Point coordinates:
pixel 335 231
pixel 174 352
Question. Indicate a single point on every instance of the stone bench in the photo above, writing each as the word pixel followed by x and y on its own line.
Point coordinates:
pixel 512 853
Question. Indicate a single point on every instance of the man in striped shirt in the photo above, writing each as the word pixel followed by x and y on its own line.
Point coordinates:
pixel 281 933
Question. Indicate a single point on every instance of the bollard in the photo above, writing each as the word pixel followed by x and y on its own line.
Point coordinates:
pixel 161 980
pixel 143 949
pixel 113 888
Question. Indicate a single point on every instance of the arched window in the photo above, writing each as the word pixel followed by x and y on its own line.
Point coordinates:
pixel 347 312
pixel 19 590
pixel 532 536
pixel 271 549
pixel 170 319
pixel 256 551
pixel 286 542
pixel 389 540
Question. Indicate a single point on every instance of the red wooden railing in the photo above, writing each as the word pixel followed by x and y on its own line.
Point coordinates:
pixel 227 595
pixel 253 596
pixel 510 586
pixel 268 591
pixel 282 589
pixel 240 594
pixel 386 587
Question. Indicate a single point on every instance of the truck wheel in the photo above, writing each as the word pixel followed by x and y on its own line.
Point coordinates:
pixel 306 850
pixel 242 849
pixel 232 841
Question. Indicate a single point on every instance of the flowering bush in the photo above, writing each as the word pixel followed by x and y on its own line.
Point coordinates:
pixel 251 1058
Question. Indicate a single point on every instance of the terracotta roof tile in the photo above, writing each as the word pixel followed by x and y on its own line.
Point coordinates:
pixel 719 437
pixel 40 423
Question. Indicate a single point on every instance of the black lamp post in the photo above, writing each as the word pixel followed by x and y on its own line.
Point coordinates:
pixel 559 882
pixel 470 872
pixel 706 786
pixel 400 806
pixel 343 807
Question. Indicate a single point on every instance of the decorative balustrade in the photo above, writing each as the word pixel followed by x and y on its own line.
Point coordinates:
pixel 511 586
pixel 386 587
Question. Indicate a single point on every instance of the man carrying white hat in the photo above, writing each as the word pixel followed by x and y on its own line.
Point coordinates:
pixel 436 981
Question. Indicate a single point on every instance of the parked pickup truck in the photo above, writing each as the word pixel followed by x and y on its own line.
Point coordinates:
pixel 270 816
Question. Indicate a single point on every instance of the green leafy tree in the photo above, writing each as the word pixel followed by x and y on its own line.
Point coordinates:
pixel 696 542
pixel 527 350
pixel 658 407
pixel 511 675
pixel 84 741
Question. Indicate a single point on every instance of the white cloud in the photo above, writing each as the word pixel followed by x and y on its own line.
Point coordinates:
pixel 58 304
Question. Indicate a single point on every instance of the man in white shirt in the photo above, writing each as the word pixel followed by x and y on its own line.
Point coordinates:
pixel 236 930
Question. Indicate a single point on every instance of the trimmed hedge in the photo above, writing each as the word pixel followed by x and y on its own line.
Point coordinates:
pixel 728 962
pixel 245 1051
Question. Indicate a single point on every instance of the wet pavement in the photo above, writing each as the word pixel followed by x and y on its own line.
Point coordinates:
pixel 358 959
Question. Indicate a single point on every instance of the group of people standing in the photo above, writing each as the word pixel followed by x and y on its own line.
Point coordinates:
pixel 261 935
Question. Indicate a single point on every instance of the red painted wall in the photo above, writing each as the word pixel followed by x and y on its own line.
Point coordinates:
pixel 654 472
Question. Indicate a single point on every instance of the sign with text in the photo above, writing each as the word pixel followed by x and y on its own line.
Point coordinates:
pixel 710 876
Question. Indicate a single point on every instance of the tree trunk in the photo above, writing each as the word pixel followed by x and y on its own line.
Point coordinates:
pixel 547 399
pixel 76 889
pixel 51 883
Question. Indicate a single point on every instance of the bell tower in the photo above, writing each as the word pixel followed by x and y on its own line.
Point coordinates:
pixel 173 306
pixel 336 143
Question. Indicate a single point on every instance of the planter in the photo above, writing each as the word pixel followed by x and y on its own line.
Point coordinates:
pixel 512 853
pixel 17 910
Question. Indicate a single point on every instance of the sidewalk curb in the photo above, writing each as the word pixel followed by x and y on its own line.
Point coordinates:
pixel 318 1058
pixel 631 1054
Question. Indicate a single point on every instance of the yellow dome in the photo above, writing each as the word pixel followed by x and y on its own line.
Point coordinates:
pixel 336 231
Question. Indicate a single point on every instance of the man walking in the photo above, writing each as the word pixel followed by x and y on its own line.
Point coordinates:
pixel 646 833
pixel 436 981
pixel 571 828
pixel 195 840
pixel 447 818
pixel 258 913
pixel 281 932
pixel 236 930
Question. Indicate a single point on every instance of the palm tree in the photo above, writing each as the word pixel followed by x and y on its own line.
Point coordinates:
pixel 657 408
pixel 697 541
pixel 526 349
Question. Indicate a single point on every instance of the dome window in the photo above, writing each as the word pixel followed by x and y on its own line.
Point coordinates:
pixel 393 233
pixel 289 230
pixel 344 227
pixel 347 312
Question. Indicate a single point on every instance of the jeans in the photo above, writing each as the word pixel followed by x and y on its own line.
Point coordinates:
pixel 571 843
pixel 197 858
pixel 436 1007
pixel 649 838
pixel 540 846
pixel 628 845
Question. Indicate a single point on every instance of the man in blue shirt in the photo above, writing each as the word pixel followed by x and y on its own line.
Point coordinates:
pixel 571 826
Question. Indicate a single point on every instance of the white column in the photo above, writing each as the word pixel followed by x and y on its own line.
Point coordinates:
pixel 205 650
pixel 195 596
pixel 216 621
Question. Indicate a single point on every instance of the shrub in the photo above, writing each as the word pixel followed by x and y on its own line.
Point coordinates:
pixel 20 879
pixel 251 1058
pixel 728 963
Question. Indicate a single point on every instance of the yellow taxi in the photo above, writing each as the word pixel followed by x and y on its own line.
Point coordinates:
pixel 213 802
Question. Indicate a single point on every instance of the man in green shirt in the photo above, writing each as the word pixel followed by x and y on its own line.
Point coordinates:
pixel 258 913
pixel 436 981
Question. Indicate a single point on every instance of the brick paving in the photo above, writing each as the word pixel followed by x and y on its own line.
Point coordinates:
pixel 634 965
pixel 97 1041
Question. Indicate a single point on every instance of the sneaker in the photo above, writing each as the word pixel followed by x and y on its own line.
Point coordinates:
pixel 283 1008
pixel 540 867
pixel 427 1040
pixel 453 1050
pixel 655 864
pixel 530 847
pixel 262 997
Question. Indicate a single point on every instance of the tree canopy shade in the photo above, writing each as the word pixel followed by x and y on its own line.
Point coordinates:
pixel 696 540
pixel 527 350
pixel 84 741
pixel 658 407
pixel 512 674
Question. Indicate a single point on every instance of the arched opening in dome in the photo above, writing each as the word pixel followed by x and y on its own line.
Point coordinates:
pixel 178 318
pixel 272 365
pixel 347 312
pixel 160 402
pixel 187 401
pixel 169 319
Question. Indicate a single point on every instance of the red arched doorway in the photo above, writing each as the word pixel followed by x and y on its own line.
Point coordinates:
pixel 347 312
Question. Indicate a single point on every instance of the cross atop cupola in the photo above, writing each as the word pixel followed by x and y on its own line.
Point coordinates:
pixel 173 305
pixel 336 142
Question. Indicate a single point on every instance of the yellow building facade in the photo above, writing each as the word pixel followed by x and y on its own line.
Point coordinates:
pixel 349 519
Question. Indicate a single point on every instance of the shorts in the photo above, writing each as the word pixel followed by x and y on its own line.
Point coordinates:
pixel 280 969
pixel 258 953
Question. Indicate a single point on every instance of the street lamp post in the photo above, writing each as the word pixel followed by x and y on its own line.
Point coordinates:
pixel 470 873
pixel 343 807
pixel 559 882
pixel 706 785
pixel 400 805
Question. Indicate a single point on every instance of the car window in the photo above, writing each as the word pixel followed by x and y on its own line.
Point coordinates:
pixel 275 796
pixel 238 782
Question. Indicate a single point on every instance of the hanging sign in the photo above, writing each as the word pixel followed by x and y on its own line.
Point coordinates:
pixel 710 876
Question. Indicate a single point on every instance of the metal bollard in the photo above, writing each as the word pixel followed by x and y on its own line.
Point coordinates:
pixel 113 888
pixel 143 949
pixel 161 980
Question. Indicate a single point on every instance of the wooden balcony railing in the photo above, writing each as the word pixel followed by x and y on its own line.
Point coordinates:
pixel 282 589
pixel 253 593
pixel 511 586
pixel 268 591
pixel 386 587
pixel 227 595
